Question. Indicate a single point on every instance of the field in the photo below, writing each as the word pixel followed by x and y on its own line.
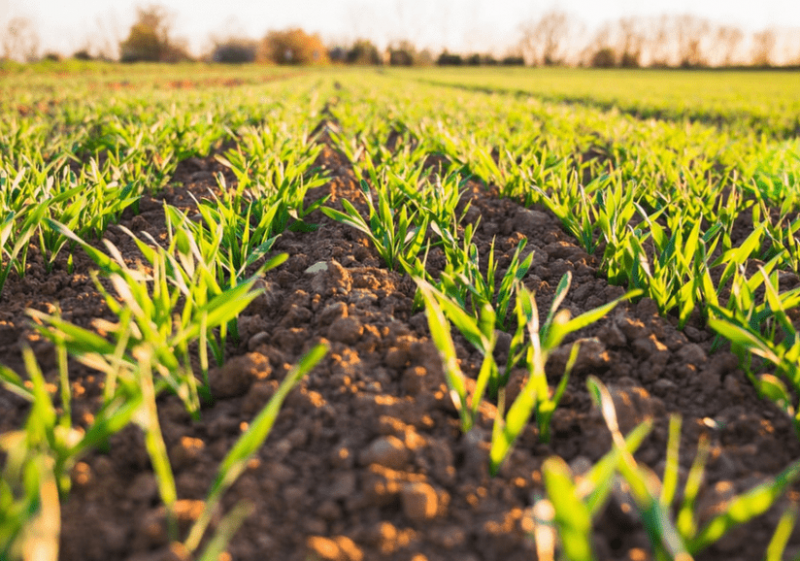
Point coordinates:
pixel 263 313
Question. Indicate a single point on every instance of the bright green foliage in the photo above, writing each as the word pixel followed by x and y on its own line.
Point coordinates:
pixel 680 537
pixel 394 234
pixel 534 398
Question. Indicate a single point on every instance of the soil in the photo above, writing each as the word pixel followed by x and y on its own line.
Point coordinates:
pixel 366 459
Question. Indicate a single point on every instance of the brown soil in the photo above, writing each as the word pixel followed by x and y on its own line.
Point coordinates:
pixel 366 460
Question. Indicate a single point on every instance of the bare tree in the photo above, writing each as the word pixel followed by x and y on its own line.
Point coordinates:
pixel 632 36
pixel 600 52
pixel 545 41
pixel 763 47
pixel 726 41
pixel 659 40
pixel 691 31
pixel 20 40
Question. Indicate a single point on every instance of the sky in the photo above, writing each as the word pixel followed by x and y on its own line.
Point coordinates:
pixel 458 25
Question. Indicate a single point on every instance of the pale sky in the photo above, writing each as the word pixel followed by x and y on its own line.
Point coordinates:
pixel 459 25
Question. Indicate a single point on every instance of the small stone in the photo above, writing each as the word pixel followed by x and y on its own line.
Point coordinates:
pixel 646 308
pixel 646 347
pixel 238 374
pixel 201 176
pixel 420 502
pixel 476 450
pixel 692 354
pixel 346 330
pixel 733 387
pixel 144 488
pixel 612 336
pixel 396 357
pixel 693 334
pixel 344 485
pixel 502 345
pixel 413 380
pixel 342 457
pixel 631 328
pixel 332 312
pixel 530 220
pixel 387 451
pixel 633 405
pixel 663 385
pixel 329 511
pixel 338 279
pixel 319 267
pixel 580 465
pixel 260 338
pixel 186 452
pixel 338 548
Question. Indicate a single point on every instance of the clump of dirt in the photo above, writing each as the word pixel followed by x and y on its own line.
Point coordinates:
pixel 366 459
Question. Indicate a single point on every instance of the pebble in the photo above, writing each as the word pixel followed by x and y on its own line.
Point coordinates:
pixel 692 354
pixel 260 338
pixel 333 312
pixel 346 330
pixel 420 502
pixel 319 267
pixel 238 374
pixel 338 548
pixel 633 405
pixel 413 380
pixel 185 452
pixel 387 451
pixel 529 220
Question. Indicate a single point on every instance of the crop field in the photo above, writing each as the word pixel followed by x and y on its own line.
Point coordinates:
pixel 327 314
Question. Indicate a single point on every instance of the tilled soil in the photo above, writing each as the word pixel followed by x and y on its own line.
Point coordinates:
pixel 366 459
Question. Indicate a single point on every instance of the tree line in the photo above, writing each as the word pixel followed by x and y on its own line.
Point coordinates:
pixel 554 39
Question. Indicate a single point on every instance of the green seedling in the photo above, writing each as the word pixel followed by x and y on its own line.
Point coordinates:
pixel 574 501
pixel 481 335
pixel 683 538
pixel 767 332
pixel 534 397
pixel 397 236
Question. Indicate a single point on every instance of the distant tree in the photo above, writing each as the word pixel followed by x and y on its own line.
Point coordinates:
pixel 726 40
pixel 234 51
pixel 449 59
pixel 19 40
pixel 659 35
pixel 82 54
pixel 337 53
pixel 424 58
pixel 600 44
pixel 691 31
pixel 763 47
pixel 292 46
pixel 363 51
pixel 474 60
pixel 604 58
pixel 632 37
pixel 544 41
pixel 513 60
pixel 403 53
pixel 149 38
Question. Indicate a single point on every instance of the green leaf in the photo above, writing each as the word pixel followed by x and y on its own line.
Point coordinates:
pixel 572 517
pixel 745 507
